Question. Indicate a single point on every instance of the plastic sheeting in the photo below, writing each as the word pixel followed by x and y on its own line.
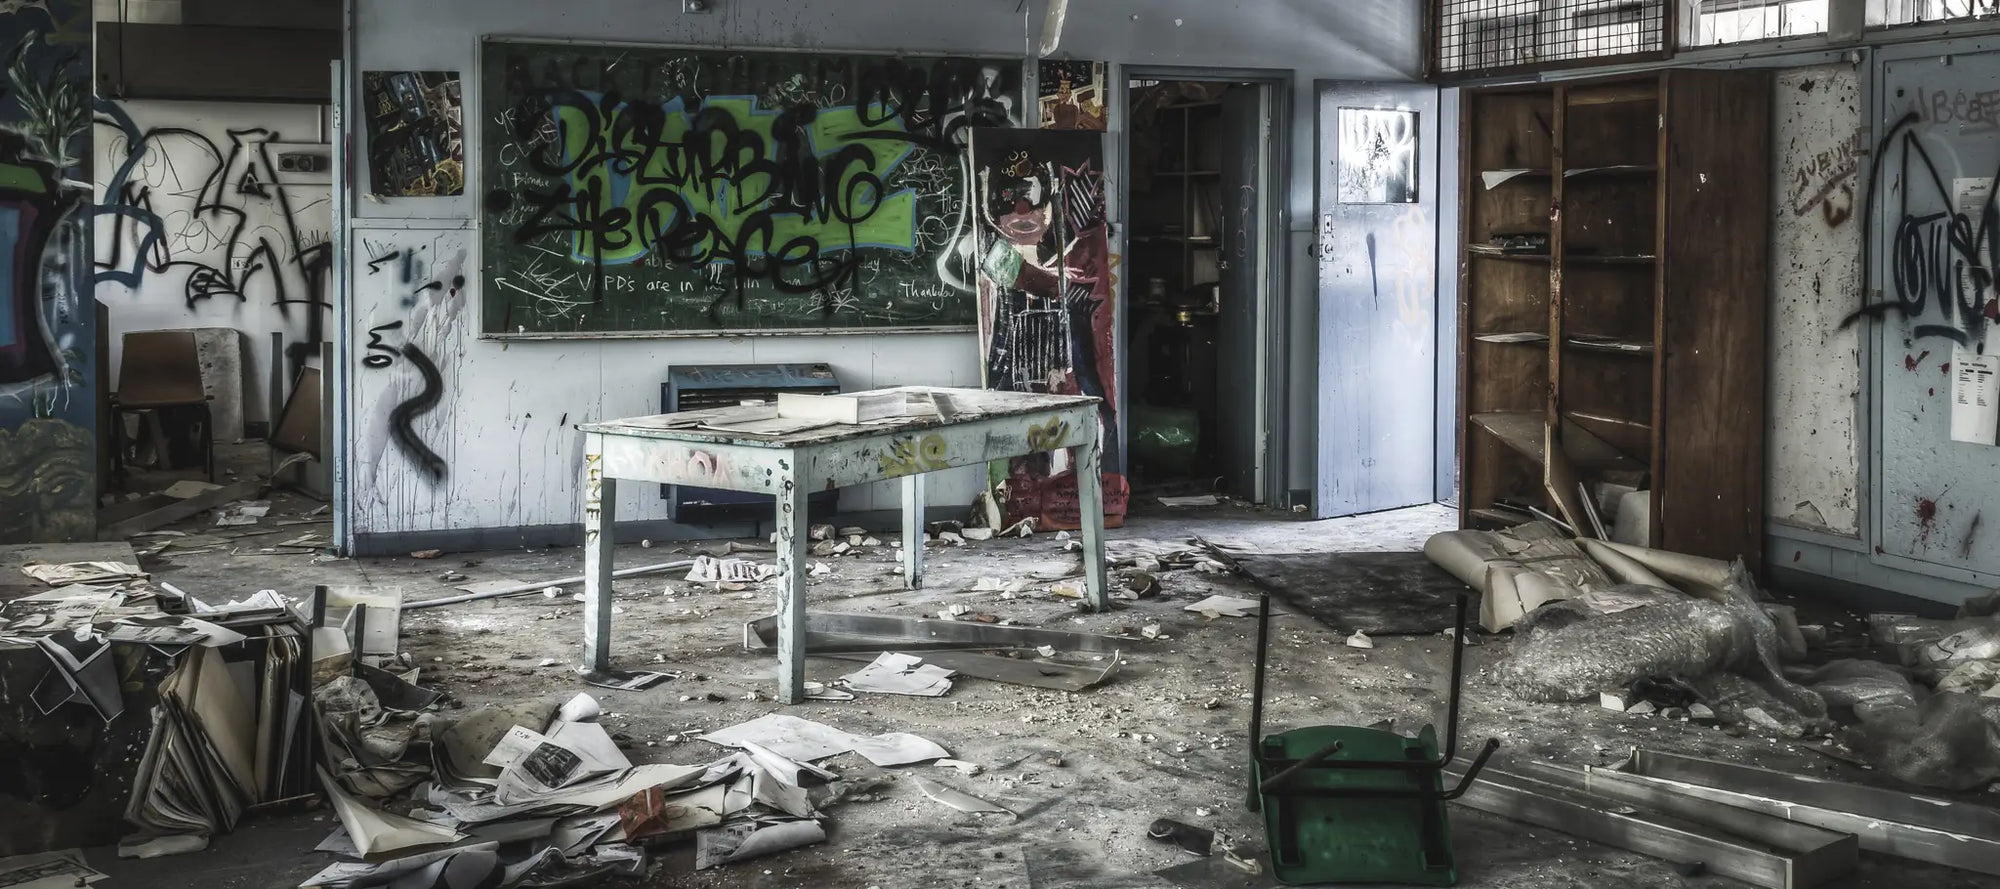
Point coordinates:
pixel 1572 654
pixel 1951 741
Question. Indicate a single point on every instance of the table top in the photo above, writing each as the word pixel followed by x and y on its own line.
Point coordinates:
pixel 964 406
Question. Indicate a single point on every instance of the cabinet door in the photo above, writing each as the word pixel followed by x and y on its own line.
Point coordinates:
pixel 1378 309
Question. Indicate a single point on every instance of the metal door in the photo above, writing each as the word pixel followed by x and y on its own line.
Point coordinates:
pixel 1934 231
pixel 1240 427
pixel 1377 249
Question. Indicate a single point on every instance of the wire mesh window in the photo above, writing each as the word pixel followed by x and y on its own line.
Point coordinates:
pixel 1480 36
pixel 1913 12
pixel 1711 22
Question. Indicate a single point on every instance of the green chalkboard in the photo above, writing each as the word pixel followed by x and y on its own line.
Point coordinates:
pixel 631 190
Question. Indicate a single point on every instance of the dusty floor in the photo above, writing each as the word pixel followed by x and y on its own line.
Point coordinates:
pixel 1142 747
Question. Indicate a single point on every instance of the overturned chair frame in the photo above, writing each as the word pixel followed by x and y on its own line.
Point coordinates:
pixel 1350 804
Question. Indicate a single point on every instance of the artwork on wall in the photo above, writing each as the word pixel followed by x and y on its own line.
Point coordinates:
pixel 1047 322
pixel 415 127
pixel 1073 96
pixel 1378 156
pixel 677 191
pixel 48 453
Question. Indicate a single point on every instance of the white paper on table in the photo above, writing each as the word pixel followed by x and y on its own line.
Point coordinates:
pixel 1975 397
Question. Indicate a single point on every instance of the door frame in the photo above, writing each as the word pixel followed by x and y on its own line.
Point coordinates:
pixel 1274 385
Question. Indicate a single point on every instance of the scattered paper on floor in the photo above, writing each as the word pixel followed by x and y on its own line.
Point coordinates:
pixel 900 674
pixel 1225 606
pixel 46 870
pixel 806 741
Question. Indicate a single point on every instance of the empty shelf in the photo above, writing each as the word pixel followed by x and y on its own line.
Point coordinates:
pixel 1502 253
pixel 1523 431
pixel 1608 420
pixel 1609 344
pixel 1520 430
pixel 1608 259
pixel 1503 517
pixel 1495 178
pixel 1611 170
pixel 1520 337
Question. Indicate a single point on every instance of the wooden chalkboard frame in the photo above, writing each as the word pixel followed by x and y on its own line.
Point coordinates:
pixel 475 110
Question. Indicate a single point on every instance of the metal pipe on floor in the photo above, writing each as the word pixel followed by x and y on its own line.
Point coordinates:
pixel 537 587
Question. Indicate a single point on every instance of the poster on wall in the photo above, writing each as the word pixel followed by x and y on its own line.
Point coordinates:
pixel 1046 290
pixel 1073 96
pixel 415 126
pixel 1378 156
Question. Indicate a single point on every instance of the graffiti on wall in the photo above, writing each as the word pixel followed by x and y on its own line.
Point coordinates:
pixel 1046 315
pixel 207 220
pixel 690 191
pixel 1825 182
pixel 415 126
pixel 410 300
pixel 47 449
pixel 1072 96
pixel 1945 247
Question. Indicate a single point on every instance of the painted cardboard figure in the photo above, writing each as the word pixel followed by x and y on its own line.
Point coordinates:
pixel 1046 319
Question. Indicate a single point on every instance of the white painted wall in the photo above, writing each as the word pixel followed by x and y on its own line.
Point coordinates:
pixel 510 459
pixel 188 151
pixel 1814 466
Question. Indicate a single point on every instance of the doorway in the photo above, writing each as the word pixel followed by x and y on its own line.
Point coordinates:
pixel 1199 319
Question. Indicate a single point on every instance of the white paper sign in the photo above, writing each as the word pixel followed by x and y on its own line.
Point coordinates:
pixel 1975 397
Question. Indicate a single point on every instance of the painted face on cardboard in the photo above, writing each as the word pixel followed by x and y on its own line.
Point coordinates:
pixel 1021 211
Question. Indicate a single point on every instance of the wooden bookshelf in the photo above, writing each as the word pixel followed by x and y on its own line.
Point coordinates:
pixel 1614 284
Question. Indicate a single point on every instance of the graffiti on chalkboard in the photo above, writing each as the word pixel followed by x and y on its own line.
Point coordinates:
pixel 715 191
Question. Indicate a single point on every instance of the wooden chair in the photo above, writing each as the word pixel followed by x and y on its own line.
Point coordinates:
pixel 161 369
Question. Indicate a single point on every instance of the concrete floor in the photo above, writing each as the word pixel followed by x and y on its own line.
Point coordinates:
pixel 1145 746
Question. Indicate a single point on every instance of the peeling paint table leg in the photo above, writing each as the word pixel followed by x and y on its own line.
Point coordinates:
pixel 793 531
pixel 600 499
pixel 1090 497
pixel 913 531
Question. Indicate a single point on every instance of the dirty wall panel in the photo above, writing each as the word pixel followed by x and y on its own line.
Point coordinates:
pixel 1943 134
pixel 1815 366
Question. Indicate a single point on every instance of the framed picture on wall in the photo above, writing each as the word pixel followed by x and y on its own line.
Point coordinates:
pixel 1378 156
pixel 415 126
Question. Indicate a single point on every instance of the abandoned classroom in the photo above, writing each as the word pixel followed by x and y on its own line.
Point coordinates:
pixel 1014 444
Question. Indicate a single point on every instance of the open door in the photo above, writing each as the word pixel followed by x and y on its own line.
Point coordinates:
pixel 1241 404
pixel 1377 254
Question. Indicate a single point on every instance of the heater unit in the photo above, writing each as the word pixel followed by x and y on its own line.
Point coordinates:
pixel 700 386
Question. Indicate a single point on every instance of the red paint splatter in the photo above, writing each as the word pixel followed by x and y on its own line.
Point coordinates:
pixel 1926 519
pixel 1945 368
pixel 1993 310
pixel 1797 556
pixel 1878 549
pixel 1933 393
pixel 1910 363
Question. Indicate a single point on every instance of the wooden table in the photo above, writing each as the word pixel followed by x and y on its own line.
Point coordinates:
pixel 977 427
